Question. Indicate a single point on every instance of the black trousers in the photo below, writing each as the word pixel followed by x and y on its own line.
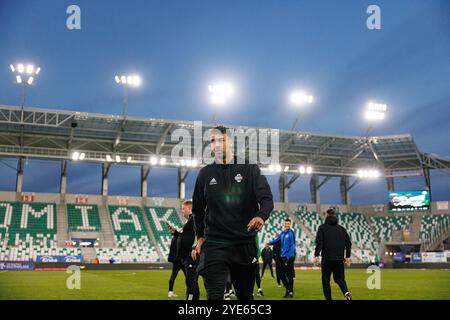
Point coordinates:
pixel 176 267
pixel 266 264
pixel 278 267
pixel 216 263
pixel 287 273
pixel 337 269
pixel 257 276
pixel 190 271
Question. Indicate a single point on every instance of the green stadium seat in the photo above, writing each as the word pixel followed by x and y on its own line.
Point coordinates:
pixel 82 217
pixel 132 239
pixel 433 226
pixel 31 232
pixel 383 226
pixel 159 217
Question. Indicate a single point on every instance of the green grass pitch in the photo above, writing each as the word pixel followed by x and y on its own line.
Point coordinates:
pixel 396 284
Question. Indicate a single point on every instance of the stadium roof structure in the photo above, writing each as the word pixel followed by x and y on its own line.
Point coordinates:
pixel 55 134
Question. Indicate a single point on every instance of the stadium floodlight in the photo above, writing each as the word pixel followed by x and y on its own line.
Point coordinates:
pixel 75 156
pixel 117 158
pixel 375 111
pixel 78 156
pixel 220 93
pixel 25 74
pixel 368 174
pixel 194 163
pixel 286 168
pixel 109 158
pixel 299 98
pixel 278 168
pixel 128 80
pixel 163 161
pixel 129 158
pixel 305 170
pixel 153 161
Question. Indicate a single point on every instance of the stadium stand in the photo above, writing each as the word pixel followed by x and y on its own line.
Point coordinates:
pixel 31 232
pixel 383 226
pixel 359 229
pixel 432 227
pixel 158 217
pixel 83 217
pixel 132 239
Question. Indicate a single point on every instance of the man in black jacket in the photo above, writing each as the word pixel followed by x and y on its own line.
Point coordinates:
pixel 173 258
pixel 184 245
pixel 333 242
pixel 231 202
pixel 267 256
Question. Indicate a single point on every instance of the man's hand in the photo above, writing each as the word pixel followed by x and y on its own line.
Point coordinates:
pixel 348 262
pixel 255 224
pixel 196 251
pixel 316 260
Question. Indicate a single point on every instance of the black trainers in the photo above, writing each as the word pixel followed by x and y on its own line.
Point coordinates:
pixel 348 296
pixel 288 294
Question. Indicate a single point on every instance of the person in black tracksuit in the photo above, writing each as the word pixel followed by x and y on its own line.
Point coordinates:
pixel 184 249
pixel 267 256
pixel 176 262
pixel 278 261
pixel 333 242
pixel 231 202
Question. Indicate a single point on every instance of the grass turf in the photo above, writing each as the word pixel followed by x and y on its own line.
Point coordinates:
pixel 395 285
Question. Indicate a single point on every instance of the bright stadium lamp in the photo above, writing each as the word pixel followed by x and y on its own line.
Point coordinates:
pixel 25 75
pixel 163 161
pixel 220 93
pixel 375 111
pixel 299 98
pixel 75 156
pixel 127 81
pixel 368 174
pixel 153 161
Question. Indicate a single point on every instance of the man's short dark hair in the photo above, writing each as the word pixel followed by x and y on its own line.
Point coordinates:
pixel 331 212
pixel 287 220
pixel 222 129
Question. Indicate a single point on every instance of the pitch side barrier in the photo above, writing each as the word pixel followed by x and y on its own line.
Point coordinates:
pixel 168 266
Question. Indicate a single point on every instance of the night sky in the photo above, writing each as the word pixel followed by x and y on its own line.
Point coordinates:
pixel 266 48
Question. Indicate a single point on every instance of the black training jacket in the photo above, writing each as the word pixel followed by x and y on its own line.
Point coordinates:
pixel 173 248
pixel 333 241
pixel 186 239
pixel 226 198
